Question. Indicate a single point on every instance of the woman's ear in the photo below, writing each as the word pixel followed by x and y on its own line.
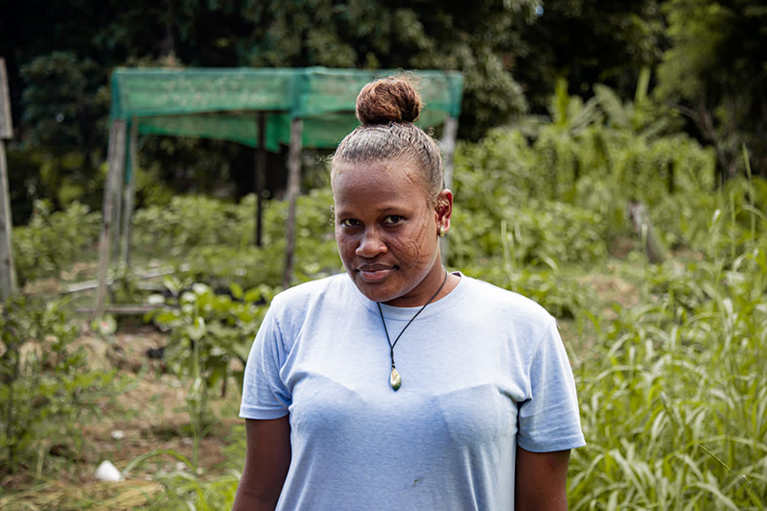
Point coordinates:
pixel 444 210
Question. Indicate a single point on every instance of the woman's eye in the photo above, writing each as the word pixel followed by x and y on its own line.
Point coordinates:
pixel 349 222
pixel 392 219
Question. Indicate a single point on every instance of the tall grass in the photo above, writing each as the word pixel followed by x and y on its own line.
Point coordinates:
pixel 674 395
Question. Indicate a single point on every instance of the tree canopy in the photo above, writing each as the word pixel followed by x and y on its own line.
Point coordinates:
pixel 707 57
pixel 715 72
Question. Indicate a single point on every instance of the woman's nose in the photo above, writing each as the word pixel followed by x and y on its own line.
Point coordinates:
pixel 371 245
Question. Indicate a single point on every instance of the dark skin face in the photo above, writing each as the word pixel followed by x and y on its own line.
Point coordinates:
pixel 387 231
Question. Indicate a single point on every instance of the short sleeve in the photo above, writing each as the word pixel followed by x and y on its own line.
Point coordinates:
pixel 549 420
pixel 264 394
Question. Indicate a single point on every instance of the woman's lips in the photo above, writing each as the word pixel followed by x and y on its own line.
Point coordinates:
pixel 373 275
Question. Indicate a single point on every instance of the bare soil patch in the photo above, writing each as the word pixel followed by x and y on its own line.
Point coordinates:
pixel 149 416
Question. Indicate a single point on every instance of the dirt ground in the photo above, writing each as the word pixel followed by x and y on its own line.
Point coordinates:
pixel 152 415
pixel 149 416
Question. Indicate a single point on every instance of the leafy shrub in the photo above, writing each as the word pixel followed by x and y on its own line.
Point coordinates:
pixel 533 234
pixel 315 250
pixel 722 224
pixel 209 330
pixel 561 296
pixel 53 241
pixel 189 221
pixel 216 239
pixel 48 386
pixel 598 169
pixel 248 267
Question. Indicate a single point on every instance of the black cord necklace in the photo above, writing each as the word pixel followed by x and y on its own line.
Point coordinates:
pixel 395 380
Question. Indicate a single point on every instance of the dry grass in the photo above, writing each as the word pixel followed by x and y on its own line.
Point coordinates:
pixel 97 496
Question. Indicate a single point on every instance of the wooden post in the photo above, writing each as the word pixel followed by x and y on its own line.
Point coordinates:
pixel 7 269
pixel 294 188
pixel 448 148
pixel 651 242
pixel 260 175
pixel 116 159
pixel 6 123
pixel 8 285
pixel 117 215
pixel 129 195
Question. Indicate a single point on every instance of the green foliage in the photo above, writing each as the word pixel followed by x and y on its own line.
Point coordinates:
pixel 150 188
pixel 672 394
pixel 512 53
pixel 216 239
pixel 53 241
pixel 479 40
pixel 207 333
pixel 538 232
pixel 722 225
pixel 248 267
pixel 58 176
pixel 212 237
pixel 589 41
pixel 563 187
pixel 565 196
pixel 642 116
pixel 48 389
pixel 561 295
pixel 59 100
pixel 64 103
pixel 188 492
pixel 608 125
pixel 209 330
pixel 476 40
pixel 189 222
pixel 714 73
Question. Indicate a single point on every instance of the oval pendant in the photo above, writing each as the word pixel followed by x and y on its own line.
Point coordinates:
pixel 395 380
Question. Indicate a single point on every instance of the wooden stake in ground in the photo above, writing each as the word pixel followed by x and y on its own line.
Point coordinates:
pixel 651 242
pixel 130 194
pixel 116 157
pixel 294 188
pixel 260 165
pixel 8 284
pixel 449 134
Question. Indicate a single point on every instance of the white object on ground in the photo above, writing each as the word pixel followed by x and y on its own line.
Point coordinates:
pixel 108 472
pixel 118 434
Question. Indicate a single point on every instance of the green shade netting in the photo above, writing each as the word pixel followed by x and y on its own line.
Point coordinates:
pixel 223 103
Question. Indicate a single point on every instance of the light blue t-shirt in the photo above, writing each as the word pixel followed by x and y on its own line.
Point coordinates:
pixel 482 370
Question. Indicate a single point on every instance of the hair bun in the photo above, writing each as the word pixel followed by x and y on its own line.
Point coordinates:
pixel 388 100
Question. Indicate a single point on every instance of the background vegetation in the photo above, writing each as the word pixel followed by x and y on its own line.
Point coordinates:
pixel 707 60
pixel 661 103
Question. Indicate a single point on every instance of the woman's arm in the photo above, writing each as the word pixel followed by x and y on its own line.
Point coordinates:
pixel 267 459
pixel 541 480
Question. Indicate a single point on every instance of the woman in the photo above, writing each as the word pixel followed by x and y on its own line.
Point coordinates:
pixel 479 410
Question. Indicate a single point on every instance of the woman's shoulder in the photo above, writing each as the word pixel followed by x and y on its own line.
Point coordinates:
pixel 303 297
pixel 505 303
pixel 311 290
